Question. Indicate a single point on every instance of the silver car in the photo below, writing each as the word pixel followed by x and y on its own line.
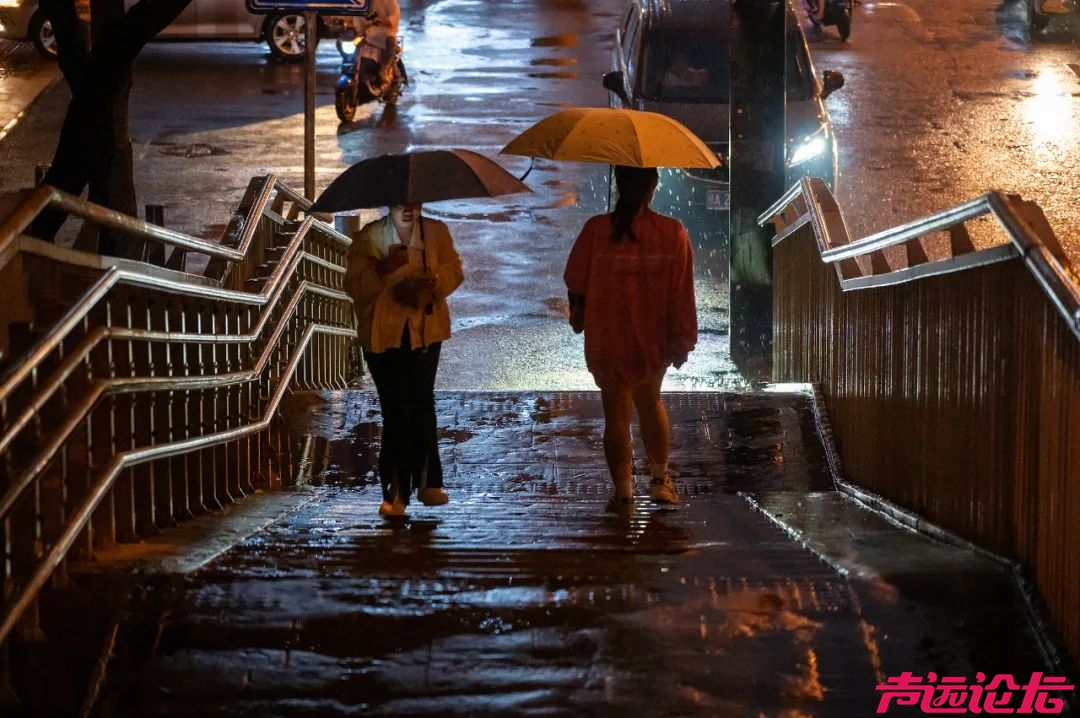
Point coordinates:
pixel 200 20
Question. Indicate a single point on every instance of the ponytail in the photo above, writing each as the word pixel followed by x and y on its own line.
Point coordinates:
pixel 635 186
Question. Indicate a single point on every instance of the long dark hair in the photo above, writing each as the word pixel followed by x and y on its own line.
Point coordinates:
pixel 635 185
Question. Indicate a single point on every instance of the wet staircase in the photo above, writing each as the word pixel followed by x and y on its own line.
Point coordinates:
pixel 137 393
pixel 756 595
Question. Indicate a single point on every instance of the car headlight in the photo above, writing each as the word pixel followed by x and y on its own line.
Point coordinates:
pixel 811 147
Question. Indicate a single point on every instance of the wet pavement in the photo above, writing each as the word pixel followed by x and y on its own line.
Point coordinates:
pixel 24 75
pixel 945 100
pixel 753 597
pixel 765 592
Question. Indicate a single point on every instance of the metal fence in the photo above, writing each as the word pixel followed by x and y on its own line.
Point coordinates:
pixel 952 384
pixel 135 395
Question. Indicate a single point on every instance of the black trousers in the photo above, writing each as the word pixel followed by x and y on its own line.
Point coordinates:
pixel 409 455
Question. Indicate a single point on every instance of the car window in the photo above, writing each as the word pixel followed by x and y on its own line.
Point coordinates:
pixel 630 35
pixel 799 74
pixel 626 20
pixel 682 68
pixel 631 43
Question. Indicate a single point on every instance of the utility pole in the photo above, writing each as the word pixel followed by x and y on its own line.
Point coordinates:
pixel 756 166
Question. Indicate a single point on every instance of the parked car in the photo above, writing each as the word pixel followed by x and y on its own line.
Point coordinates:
pixel 200 20
pixel 672 57
pixel 1040 11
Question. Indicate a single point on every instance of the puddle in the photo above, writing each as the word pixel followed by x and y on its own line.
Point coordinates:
pixel 565 75
pixel 555 41
pixel 556 61
pixel 191 151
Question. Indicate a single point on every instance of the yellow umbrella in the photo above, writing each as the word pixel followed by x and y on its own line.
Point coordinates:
pixel 613 137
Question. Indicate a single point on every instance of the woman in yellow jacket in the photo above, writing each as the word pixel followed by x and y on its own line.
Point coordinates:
pixel 401 269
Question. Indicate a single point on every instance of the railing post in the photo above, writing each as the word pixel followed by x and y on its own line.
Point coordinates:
pixel 154 252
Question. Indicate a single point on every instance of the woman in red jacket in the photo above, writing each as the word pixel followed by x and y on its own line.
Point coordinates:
pixel 630 279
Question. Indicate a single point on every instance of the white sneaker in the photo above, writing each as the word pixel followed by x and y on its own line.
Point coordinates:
pixel 432 496
pixel 662 491
pixel 395 510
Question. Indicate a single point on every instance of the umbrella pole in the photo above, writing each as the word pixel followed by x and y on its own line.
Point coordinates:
pixel 532 163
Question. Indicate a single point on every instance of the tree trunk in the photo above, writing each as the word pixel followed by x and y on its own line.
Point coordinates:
pixel 95 146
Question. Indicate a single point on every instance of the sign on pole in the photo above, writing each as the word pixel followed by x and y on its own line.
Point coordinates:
pixel 325 7
pixel 311 9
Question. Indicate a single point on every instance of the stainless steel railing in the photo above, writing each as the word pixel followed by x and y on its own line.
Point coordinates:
pixel 810 202
pixel 153 396
pixel 951 374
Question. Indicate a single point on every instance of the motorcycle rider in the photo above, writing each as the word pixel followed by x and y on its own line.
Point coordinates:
pixel 380 27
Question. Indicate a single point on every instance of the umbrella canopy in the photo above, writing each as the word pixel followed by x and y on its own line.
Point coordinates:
pixel 615 137
pixel 414 178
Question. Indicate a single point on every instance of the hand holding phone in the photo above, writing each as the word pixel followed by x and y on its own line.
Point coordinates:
pixel 397 256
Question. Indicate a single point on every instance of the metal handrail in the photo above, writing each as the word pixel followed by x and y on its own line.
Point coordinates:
pixel 45 197
pixel 113 277
pixel 272 292
pixel 131 383
pixel 271 310
pixel 1053 274
pixel 25 595
pixel 271 184
pixel 912 230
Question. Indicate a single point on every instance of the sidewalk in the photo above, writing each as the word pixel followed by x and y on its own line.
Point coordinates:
pixel 764 593
pixel 22 79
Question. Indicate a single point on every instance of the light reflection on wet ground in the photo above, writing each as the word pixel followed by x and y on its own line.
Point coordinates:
pixel 945 101
pixel 523 597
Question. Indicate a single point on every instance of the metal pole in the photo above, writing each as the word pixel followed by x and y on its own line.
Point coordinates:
pixel 310 39
pixel 154 252
pixel 757 175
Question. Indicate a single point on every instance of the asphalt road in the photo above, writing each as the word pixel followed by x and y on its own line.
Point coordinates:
pixel 943 101
pixel 947 100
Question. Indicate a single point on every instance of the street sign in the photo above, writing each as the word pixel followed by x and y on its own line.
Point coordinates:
pixel 323 7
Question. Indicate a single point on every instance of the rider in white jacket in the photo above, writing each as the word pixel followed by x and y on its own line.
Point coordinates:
pixel 381 27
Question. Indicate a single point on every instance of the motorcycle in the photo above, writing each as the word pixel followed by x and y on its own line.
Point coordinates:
pixel 832 12
pixel 362 78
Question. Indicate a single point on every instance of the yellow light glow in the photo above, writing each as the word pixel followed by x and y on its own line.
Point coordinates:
pixel 1049 108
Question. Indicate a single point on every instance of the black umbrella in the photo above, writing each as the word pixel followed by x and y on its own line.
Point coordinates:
pixel 416 177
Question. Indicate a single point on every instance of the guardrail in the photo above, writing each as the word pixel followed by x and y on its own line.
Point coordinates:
pixel 150 395
pixel 951 374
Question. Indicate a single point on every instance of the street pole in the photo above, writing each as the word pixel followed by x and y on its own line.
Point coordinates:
pixel 310 39
pixel 756 168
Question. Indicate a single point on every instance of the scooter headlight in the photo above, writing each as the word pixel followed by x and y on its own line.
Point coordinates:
pixel 347 48
pixel 346 43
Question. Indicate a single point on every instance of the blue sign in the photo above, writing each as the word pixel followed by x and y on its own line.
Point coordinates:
pixel 324 7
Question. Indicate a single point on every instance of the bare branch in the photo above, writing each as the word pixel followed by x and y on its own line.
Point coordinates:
pixel 122 42
pixel 72 42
